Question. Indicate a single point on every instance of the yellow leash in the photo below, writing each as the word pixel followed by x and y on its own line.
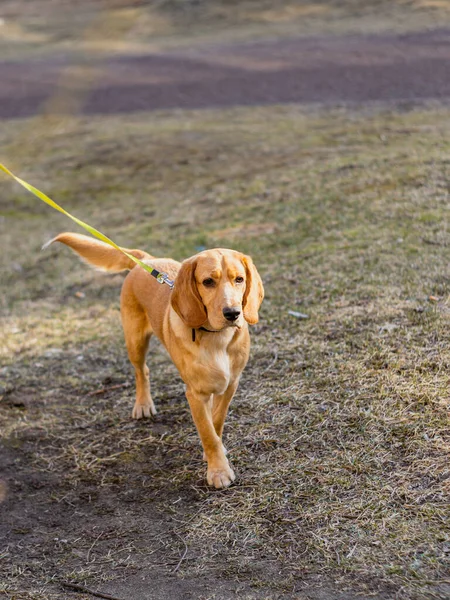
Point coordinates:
pixel 160 277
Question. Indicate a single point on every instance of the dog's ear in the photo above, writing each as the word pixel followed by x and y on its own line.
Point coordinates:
pixel 254 291
pixel 186 300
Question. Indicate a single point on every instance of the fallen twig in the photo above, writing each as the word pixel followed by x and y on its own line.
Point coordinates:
pixel 109 389
pixel 82 588
pixel 184 554
pixel 272 363
pixel 88 556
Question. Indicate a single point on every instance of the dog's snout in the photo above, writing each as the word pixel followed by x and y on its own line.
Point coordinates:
pixel 231 314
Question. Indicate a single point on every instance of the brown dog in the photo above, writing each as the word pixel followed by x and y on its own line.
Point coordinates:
pixel 202 322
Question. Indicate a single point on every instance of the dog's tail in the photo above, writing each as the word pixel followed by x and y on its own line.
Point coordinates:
pixel 98 254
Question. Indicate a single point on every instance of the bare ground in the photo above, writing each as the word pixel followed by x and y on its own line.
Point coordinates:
pixel 354 69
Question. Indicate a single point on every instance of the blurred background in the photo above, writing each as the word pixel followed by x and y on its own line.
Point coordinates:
pixel 45 26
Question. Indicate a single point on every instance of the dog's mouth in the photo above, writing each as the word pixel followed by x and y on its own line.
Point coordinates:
pixel 218 322
pixel 224 325
pixel 233 324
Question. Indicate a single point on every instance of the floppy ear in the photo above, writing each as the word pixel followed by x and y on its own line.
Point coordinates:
pixel 186 300
pixel 254 292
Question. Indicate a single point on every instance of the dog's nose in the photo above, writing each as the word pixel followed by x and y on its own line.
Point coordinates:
pixel 231 314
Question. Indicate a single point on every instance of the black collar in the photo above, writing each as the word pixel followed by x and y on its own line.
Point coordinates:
pixel 203 329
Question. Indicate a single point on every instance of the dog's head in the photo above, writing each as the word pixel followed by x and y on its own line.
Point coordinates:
pixel 218 288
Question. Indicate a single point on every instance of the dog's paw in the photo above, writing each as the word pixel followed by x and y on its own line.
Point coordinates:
pixel 221 478
pixel 142 411
pixel 225 451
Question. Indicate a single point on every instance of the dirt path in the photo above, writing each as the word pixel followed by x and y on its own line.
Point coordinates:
pixel 412 67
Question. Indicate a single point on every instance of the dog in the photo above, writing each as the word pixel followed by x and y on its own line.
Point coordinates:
pixel 202 322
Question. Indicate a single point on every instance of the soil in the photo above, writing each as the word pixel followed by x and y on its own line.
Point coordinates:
pixel 124 535
pixel 327 70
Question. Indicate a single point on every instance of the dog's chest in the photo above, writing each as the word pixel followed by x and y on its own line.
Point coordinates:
pixel 215 364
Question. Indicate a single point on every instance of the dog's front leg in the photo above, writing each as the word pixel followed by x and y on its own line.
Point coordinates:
pixel 219 474
pixel 221 403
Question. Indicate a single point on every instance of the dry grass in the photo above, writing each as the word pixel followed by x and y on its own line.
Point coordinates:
pixel 339 432
pixel 41 27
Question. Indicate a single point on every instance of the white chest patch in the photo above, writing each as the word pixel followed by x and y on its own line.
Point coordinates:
pixel 216 363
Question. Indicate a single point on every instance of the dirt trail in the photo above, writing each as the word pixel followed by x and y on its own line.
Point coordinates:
pixel 411 67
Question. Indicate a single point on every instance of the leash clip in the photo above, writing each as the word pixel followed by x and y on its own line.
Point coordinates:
pixel 163 278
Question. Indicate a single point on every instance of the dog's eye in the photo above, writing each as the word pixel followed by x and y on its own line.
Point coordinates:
pixel 208 282
pixel 239 280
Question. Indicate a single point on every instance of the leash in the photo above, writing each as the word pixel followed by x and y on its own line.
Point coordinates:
pixel 160 277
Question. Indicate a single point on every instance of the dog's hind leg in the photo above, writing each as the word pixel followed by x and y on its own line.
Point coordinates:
pixel 137 332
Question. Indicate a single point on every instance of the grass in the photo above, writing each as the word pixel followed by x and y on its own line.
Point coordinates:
pixel 339 432
pixel 44 27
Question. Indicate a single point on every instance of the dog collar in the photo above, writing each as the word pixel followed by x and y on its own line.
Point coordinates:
pixel 204 329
